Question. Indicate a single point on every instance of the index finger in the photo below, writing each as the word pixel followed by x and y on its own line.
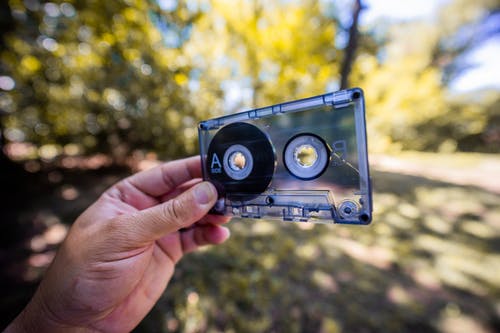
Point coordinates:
pixel 166 177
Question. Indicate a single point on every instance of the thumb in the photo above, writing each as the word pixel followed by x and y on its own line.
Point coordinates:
pixel 180 212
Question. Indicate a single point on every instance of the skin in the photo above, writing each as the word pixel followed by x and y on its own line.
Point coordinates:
pixel 121 252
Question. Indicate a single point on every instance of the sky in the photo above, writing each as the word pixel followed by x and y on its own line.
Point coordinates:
pixel 485 71
pixel 399 9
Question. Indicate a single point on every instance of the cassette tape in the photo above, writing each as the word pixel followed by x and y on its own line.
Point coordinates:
pixel 304 160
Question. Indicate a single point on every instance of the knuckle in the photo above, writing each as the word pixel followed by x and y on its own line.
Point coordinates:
pixel 118 226
pixel 173 211
pixel 112 225
pixel 200 238
pixel 167 177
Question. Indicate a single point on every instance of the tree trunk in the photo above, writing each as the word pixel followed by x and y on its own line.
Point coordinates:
pixel 351 47
pixel 6 26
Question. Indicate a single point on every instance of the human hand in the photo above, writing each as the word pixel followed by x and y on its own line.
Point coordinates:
pixel 121 252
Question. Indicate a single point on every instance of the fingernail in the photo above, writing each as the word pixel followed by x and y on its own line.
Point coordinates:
pixel 204 192
pixel 227 232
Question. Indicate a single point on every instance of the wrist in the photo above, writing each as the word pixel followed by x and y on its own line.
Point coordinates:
pixel 36 317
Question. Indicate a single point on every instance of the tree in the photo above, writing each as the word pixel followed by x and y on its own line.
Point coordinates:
pixel 266 52
pixel 406 82
pixel 351 47
pixel 117 76
pixel 102 75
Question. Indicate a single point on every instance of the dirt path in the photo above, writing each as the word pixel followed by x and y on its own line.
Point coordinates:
pixel 462 169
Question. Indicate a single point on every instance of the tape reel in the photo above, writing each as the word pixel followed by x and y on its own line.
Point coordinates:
pixel 241 160
pixel 306 156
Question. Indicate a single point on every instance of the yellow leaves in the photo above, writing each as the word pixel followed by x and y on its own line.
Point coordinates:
pixel 108 38
pixel 120 32
pixel 243 53
pixel 131 54
pixel 285 29
pixel 92 96
pixel 169 58
pixel 366 63
pixel 236 13
pixel 455 14
pixel 30 64
pixel 173 118
pixel 85 61
pixel 413 39
pixel 131 14
pixel 18 45
pixel 154 35
pixel 284 49
pixel 60 51
pixel 181 79
pixel 183 14
pixel 400 95
pixel 324 74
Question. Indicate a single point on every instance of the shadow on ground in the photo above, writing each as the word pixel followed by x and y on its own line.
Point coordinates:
pixel 429 262
pixel 37 210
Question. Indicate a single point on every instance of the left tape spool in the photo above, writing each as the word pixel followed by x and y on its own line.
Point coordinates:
pixel 241 161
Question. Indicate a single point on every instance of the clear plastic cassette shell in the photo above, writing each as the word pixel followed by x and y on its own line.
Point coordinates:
pixel 303 160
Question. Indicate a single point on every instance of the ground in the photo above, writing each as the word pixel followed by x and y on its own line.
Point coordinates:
pixel 430 261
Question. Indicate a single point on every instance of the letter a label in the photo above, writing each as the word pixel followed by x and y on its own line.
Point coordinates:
pixel 215 166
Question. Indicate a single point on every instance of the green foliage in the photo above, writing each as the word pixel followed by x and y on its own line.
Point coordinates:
pixel 265 52
pixel 276 50
pixel 115 76
pixel 471 125
pixel 409 104
pixel 100 74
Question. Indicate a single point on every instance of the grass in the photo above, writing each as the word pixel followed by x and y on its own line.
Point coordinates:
pixel 430 261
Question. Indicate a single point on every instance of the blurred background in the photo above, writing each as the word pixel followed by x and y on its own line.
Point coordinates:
pixel 91 91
